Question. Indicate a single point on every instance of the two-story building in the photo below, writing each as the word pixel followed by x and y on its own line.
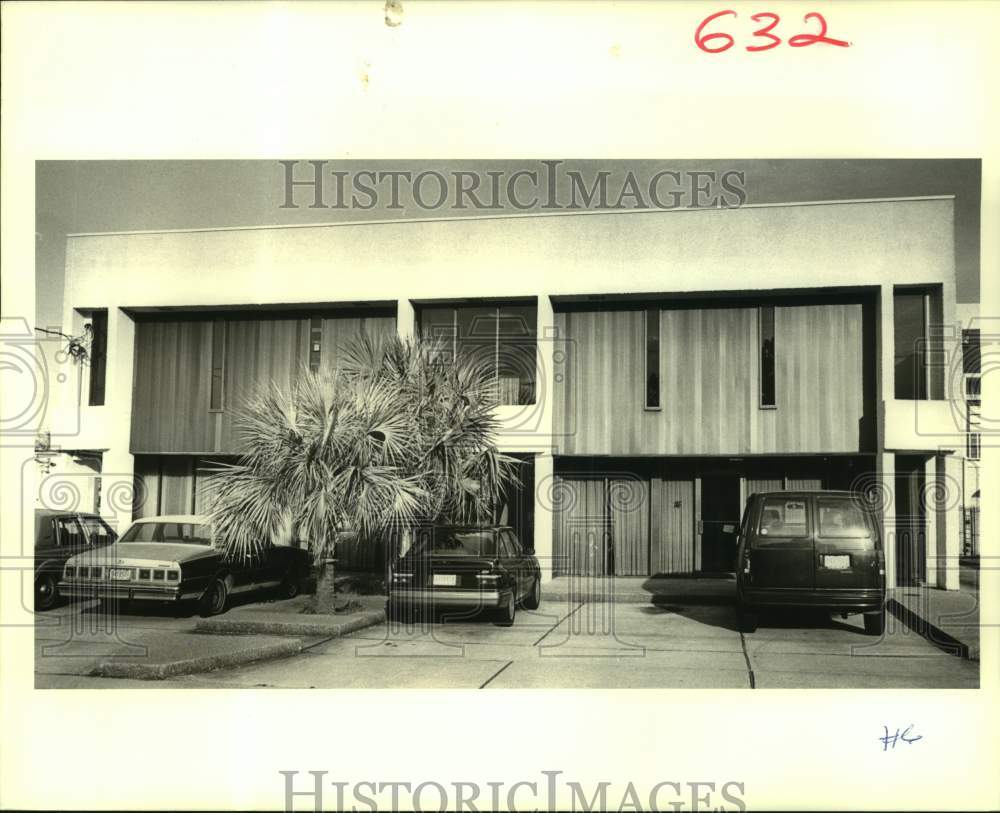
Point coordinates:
pixel 656 367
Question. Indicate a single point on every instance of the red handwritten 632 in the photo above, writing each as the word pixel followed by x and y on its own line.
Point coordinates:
pixel 708 42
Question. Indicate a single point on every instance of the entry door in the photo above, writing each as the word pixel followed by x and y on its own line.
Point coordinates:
pixel 911 532
pixel 720 506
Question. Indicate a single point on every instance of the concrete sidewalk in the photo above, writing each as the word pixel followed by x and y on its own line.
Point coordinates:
pixel 659 590
pixel 85 641
pixel 948 619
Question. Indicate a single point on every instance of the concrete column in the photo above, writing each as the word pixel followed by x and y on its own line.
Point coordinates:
pixel 945 526
pixel 886 348
pixel 544 516
pixel 885 471
pixel 406 319
pixel 929 499
pixel 117 465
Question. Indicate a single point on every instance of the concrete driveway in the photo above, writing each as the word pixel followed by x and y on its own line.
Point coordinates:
pixel 596 646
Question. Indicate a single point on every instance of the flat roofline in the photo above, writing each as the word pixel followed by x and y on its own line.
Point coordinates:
pixel 511 216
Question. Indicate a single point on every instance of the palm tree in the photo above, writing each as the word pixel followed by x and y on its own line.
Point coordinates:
pixel 393 439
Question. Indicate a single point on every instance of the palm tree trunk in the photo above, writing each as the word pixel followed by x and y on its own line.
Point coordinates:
pixel 325 592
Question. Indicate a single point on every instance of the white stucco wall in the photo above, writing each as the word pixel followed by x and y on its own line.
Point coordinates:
pixel 787 246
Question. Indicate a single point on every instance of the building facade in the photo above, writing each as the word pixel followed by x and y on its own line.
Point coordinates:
pixel 655 367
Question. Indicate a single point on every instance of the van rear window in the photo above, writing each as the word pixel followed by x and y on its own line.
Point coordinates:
pixel 782 516
pixel 842 519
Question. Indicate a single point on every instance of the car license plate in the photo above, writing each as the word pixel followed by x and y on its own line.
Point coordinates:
pixel 120 574
pixel 445 580
pixel 836 562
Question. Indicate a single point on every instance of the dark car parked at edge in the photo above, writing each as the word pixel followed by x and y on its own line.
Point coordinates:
pixel 173 559
pixel 819 549
pixel 471 568
pixel 60 535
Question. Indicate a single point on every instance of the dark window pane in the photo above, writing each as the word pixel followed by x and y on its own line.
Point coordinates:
pixel 971 358
pixel 218 364
pixel 457 543
pixel 767 359
pixel 783 517
pixel 98 357
pixel 653 358
pixel 842 518
pixel 516 350
pixel 477 337
pixel 909 338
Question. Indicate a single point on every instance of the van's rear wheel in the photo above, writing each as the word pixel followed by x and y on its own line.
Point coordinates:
pixel 875 623
pixel 747 619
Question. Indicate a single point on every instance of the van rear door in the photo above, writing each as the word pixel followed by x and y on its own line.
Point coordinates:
pixel 782 552
pixel 847 545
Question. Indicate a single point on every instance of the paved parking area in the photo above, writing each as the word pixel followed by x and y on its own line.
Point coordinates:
pixel 589 646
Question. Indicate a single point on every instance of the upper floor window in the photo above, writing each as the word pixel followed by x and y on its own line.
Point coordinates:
pixel 98 357
pixel 653 358
pixel 501 336
pixel 918 341
pixel 766 349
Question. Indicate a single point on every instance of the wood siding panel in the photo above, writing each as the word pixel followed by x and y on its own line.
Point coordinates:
pixel 146 500
pixel 629 503
pixel 580 527
pixel 173 365
pixel 339 331
pixel 171 391
pixel 709 379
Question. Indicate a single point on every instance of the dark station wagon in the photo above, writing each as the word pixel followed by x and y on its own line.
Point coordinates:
pixel 174 558
pixel 59 535
pixel 468 568
pixel 819 549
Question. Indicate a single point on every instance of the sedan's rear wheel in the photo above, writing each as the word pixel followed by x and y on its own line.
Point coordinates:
pixel 214 600
pixel 46 594
pixel 505 615
pixel 875 623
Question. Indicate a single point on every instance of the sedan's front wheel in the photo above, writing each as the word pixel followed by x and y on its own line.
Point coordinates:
pixel 214 600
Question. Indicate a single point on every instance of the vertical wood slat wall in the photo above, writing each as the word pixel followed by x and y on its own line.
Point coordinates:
pixel 170 406
pixel 709 379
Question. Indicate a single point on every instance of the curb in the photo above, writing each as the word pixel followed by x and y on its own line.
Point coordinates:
pixel 316 625
pixel 658 599
pixel 190 666
pixel 933 633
